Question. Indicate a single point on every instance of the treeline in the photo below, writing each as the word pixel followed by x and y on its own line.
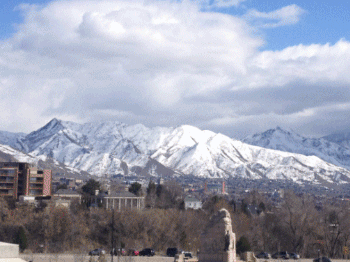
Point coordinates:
pixel 296 225
pixel 300 224
pixel 59 229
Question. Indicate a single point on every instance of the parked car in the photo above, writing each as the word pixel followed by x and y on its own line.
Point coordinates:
pixel 294 256
pixel 133 252
pixel 97 252
pixel 282 254
pixel 187 255
pixel 322 259
pixel 263 255
pixel 118 252
pixel 172 251
pixel 147 252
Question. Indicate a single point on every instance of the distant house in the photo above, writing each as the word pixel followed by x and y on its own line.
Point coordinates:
pixel 121 200
pixel 192 202
pixel 65 197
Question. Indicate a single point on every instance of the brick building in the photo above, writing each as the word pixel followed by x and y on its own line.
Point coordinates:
pixel 18 178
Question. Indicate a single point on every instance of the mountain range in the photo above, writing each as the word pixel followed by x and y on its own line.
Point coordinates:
pixel 334 149
pixel 112 147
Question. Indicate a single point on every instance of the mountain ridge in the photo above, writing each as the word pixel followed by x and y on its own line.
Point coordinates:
pixel 101 148
pixel 290 141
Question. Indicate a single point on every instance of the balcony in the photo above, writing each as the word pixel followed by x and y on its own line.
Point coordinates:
pixel 36 180
pixel 6 192
pixel 5 174
pixel 35 186
pixel 6 187
pixel 7 180
pixel 34 192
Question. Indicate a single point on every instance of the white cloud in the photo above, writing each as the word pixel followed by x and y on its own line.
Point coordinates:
pixel 221 3
pixel 163 63
pixel 287 15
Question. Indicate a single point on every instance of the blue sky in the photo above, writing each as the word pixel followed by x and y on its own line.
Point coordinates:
pixel 323 22
pixel 231 66
pixel 10 15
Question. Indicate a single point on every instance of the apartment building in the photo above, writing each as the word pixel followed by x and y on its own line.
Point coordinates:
pixel 18 178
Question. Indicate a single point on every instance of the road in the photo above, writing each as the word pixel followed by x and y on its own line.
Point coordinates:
pixel 85 258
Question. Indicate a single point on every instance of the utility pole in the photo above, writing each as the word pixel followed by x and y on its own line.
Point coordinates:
pixel 112 238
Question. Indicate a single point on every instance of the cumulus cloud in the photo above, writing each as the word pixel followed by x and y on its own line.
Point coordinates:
pixel 287 15
pixel 164 63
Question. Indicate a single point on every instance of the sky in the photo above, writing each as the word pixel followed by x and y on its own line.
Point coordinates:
pixel 231 66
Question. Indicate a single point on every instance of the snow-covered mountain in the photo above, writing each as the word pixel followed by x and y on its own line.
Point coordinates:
pixel 110 147
pixel 289 141
pixel 8 138
pixel 342 139
pixel 8 153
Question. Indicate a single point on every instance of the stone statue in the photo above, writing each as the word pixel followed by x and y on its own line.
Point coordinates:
pixel 218 242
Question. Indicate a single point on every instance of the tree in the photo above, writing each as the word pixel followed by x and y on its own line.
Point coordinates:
pixel 297 220
pixel 62 186
pixel 91 186
pixel 151 195
pixel 215 203
pixel 262 207
pixel 242 245
pixel 151 187
pixel 4 210
pixel 21 238
pixel 135 188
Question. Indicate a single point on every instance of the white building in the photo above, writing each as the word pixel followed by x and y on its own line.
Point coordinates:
pixel 121 200
pixel 192 202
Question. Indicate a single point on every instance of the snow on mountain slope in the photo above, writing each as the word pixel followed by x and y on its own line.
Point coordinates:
pixel 102 147
pixel 289 141
pixel 342 139
pixel 8 153
pixel 19 156
pixel 221 156
pixel 8 138
pixel 94 147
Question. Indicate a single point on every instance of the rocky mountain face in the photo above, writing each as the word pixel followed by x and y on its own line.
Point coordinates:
pixel 331 149
pixel 342 139
pixel 8 154
pixel 113 147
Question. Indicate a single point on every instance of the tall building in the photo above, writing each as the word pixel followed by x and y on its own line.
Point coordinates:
pixel 18 178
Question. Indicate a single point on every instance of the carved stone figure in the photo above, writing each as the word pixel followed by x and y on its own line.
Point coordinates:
pixel 218 242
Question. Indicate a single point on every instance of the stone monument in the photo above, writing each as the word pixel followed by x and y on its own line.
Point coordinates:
pixel 9 252
pixel 218 242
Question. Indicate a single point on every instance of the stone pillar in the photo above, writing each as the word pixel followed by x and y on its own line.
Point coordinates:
pixel 218 242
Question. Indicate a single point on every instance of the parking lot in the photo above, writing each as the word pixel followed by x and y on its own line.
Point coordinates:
pixel 85 258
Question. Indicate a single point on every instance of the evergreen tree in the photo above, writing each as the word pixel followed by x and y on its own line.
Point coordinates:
pixel 91 186
pixel 135 188
pixel 21 239
pixel 242 245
